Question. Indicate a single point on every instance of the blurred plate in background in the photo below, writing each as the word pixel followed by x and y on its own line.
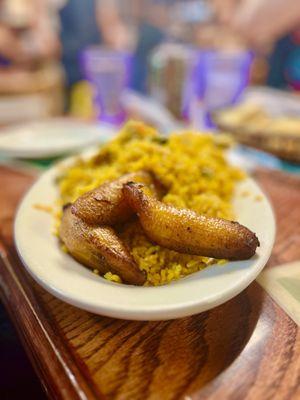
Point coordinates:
pixel 51 138
pixel 266 119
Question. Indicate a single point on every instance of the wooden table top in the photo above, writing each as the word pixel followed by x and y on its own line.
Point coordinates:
pixel 248 348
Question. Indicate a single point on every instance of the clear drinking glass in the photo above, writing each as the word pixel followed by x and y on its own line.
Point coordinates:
pixel 108 72
pixel 216 79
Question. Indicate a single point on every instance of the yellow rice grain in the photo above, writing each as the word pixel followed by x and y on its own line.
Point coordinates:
pixel 112 277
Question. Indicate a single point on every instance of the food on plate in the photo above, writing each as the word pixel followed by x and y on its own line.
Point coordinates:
pixel 245 113
pixel 185 231
pixel 191 168
pixel 99 248
pixel 254 118
pixel 106 204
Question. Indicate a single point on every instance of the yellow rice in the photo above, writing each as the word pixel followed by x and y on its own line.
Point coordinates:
pixel 191 166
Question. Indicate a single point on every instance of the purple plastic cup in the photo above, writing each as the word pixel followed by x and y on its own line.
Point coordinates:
pixel 108 72
pixel 216 79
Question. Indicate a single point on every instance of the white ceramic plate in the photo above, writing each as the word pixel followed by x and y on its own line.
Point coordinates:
pixel 65 278
pixel 51 138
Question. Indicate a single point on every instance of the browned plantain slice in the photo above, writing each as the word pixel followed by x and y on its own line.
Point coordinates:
pixel 106 205
pixel 187 232
pixel 99 247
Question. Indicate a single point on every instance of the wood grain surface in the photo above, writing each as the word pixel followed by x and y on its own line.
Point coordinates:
pixel 248 348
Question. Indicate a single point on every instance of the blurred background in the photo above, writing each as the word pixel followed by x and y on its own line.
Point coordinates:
pixel 87 58
pixel 72 71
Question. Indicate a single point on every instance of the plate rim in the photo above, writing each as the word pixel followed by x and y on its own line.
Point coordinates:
pixel 151 313
pixel 98 133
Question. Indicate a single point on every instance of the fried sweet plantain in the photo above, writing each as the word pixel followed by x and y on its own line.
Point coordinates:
pixel 187 232
pixel 99 247
pixel 106 205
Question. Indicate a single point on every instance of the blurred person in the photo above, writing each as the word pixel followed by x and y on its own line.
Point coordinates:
pixel 26 38
pixel 29 59
pixel 284 63
pixel 26 33
pixel 134 25
pixel 172 21
pixel 153 22
pixel 259 21
pixel 115 22
pixel 270 26
pixel 79 29
pixel 87 23
pixel 147 20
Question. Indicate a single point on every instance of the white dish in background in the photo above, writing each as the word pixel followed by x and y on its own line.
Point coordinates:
pixel 65 278
pixel 51 138
pixel 275 101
